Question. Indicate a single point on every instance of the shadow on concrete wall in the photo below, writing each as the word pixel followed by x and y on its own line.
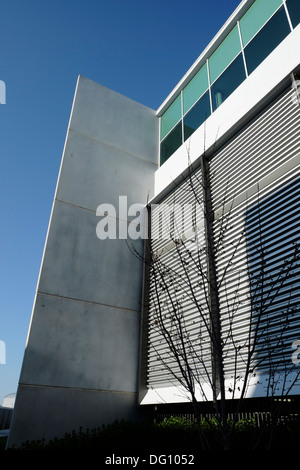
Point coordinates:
pixel 272 237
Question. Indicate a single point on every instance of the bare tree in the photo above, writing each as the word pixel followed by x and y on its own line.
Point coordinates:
pixel 210 312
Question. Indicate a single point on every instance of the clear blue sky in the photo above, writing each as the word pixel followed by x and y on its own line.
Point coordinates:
pixel 137 48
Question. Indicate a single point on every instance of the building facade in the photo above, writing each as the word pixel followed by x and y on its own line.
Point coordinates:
pixel 217 168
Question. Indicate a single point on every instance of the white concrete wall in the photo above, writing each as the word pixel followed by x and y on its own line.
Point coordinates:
pixel 81 362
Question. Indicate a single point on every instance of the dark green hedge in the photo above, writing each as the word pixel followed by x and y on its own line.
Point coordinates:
pixel 171 436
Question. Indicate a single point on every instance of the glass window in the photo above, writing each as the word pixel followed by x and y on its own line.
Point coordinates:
pixel 171 143
pixel 228 82
pixel 196 87
pixel 294 11
pixel 170 117
pixel 196 116
pixel 257 15
pixel 225 54
pixel 267 39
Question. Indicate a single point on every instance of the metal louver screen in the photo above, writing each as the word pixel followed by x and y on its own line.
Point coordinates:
pixel 274 270
pixel 177 231
pixel 259 173
pixel 255 196
pixel 269 143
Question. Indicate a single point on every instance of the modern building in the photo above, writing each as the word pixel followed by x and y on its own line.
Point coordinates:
pixel 226 141
pixel 9 401
pixel 6 410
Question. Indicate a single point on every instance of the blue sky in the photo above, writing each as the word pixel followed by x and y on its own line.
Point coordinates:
pixel 137 48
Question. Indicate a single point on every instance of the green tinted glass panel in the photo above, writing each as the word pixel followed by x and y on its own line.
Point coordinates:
pixel 171 143
pixel 228 82
pixel 294 11
pixel 267 39
pixel 257 15
pixel 225 54
pixel 197 86
pixel 196 116
pixel 170 117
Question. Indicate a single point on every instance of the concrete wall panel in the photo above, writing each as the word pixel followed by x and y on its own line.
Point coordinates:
pixel 81 361
pixel 87 356
pixel 100 172
pixel 63 408
pixel 115 120
pixel 80 266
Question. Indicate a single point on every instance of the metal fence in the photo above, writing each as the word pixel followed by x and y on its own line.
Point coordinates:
pixel 262 411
